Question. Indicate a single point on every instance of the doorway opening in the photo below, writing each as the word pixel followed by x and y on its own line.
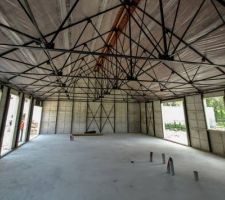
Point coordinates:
pixel 9 130
pixel 24 122
pixel 36 121
pixel 174 122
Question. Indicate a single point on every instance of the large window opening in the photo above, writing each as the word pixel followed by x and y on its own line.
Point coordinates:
pixel 24 122
pixel 36 121
pixel 215 112
pixel 10 124
pixel 174 123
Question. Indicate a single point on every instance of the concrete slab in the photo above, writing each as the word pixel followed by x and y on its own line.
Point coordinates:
pixel 100 168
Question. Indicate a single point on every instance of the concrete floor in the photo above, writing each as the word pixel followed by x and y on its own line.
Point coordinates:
pixel 99 168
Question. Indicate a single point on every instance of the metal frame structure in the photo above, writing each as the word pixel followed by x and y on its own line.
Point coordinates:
pixel 122 61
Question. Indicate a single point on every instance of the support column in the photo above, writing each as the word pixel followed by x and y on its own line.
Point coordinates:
pixel 127 116
pixel 30 118
pixel 72 116
pixel 57 113
pixel 114 114
pixel 153 119
pixel 18 120
pixel 101 115
pixel 140 117
pixel 187 122
pixel 4 105
pixel 87 109
pixel 146 118
pixel 207 131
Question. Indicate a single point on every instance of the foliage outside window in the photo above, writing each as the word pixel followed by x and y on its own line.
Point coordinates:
pixel 174 116
pixel 215 112
pixel 175 126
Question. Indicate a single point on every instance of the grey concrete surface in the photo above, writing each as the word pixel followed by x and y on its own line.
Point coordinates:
pixel 100 168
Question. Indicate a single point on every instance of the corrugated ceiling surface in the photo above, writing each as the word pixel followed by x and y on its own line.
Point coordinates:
pixel 163 48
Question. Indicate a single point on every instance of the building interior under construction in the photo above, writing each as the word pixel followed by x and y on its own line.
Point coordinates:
pixel 112 99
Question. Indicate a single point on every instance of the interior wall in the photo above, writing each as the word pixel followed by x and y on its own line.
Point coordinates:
pixel 143 119
pixel 93 119
pixel 64 117
pixel 134 118
pixel 197 122
pixel 79 117
pixel 217 139
pixel 158 119
pixel 147 119
pixel 107 123
pixel 48 122
pixel 121 117
pixel 100 119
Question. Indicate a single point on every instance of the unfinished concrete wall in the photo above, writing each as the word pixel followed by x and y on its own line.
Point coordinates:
pixel 217 139
pixel 107 123
pixel 48 122
pixel 158 119
pixel 150 119
pixel 64 117
pixel 93 116
pixel 134 118
pixel 143 119
pixel 197 123
pixel 79 117
pixel 121 117
pixel 96 117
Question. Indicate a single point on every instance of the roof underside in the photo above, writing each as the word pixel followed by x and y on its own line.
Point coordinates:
pixel 149 49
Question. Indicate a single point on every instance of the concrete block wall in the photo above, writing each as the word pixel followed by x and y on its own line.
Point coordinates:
pixel 48 121
pixel 121 117
pixel 64 118
pixel 143 119
pixel 217 139
pixel 197 122
pixel 158 119
pixel 108 117
pixel 79 117
pixel 134 118
pixel 94 110
pixel 150 119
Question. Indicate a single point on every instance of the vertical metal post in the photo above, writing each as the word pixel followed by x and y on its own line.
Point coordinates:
pixel 127 116
pixel 114 114
pixel 57 113
pixel 163 158
pixel 196 176
pixel 187 121
pixel 146 118
pixel 151 157
pixel 101 115
pixel 140 125
pixel 72 116
pixel 153 119
pixel 87 109
pixel 170 167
